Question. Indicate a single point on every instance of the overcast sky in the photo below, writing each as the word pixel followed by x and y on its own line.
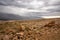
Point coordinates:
pixel 31 8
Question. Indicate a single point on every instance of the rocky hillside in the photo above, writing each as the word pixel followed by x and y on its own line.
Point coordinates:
pixel 40 29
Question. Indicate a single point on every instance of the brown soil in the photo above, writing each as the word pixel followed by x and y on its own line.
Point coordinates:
pixel 40 29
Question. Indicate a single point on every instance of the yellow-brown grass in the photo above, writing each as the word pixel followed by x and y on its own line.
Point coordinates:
pixel 41 29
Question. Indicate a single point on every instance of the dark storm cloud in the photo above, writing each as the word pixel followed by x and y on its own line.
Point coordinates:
pixel 5 16
pixel 2 3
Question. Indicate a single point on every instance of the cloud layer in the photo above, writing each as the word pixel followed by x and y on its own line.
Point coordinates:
pixel 31 8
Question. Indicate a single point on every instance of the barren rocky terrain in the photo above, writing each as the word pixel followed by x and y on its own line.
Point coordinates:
pixel 40 29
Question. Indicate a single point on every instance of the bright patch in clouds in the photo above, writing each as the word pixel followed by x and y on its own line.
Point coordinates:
pixel 16 10
pixel 36 4
pixel 50 16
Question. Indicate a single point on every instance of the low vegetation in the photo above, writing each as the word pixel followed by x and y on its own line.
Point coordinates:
pixel 40 29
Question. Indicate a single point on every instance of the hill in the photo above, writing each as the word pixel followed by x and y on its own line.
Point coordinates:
pixel 40 29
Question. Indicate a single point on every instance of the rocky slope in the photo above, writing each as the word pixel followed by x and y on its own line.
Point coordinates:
pixel 40 29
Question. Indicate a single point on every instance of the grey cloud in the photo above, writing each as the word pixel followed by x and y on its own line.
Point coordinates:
pixel 26 0
pixel 50 5
pixel 6 16
pixel 2 3
pixel 6 2
pixel 56 9
pixel 26 3
pixel 57 3
pixel 9 2
pixel 39 14
pixel 12 3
